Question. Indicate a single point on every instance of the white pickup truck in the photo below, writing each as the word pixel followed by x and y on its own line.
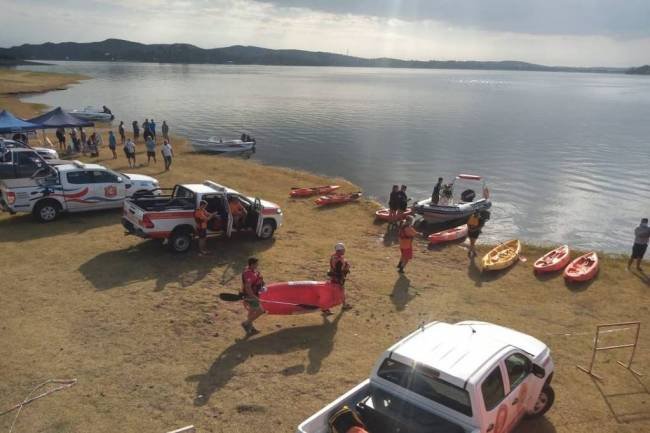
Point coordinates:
pixel 171 217
pixel 468 377
pixel 74 187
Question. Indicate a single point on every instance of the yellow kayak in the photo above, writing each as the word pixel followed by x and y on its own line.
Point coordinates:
pixel 502 256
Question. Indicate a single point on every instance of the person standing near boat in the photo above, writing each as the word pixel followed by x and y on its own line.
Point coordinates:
pixel 339 270
pixel 406 235
pixel 435 196
pixel 167 153
pixel 122 133
pixel 474 225
pixel 112 143
pixel 641 237
pixel 151 150
pixel 393 202
pixel 165 130
pixel 146 132
pixel 152 128
pixel 252 283
pixel 402 199
pixel 136 131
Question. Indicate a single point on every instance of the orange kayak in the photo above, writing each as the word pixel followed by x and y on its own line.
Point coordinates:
pixel 311 191
pixel 584 268
pixel 285 298
pixel 337 198
pixel 448 235
pixel 384 215
pixel 553 260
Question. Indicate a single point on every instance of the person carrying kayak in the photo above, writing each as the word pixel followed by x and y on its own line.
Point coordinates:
pixel 252 283
pixel 339 270
pixel 202 216
pixel 406 235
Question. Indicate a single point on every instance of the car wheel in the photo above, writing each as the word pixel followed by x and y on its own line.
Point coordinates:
pixel 180 241
pixel 268 228
pixel 544 402
pixel 47 211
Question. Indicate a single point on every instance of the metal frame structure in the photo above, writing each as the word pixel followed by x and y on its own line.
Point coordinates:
pixel 597 348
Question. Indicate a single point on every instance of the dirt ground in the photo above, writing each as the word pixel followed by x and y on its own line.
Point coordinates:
pixel 153 348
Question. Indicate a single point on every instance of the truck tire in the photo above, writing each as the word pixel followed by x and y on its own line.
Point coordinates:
pixel 268 228
pixel 544 402
pixel 46 211
pixel 181 240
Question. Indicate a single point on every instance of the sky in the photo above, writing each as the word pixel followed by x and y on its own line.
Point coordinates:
pixel 551 32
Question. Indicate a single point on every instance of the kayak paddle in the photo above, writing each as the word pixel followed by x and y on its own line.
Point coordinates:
pixel 232 297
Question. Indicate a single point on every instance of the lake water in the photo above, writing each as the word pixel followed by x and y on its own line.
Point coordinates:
pixel 565 155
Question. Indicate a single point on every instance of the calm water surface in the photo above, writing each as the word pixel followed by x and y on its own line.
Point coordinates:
pixel 565 155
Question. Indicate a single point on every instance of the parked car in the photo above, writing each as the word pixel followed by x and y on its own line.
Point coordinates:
pixel 171 217
pixel 453 378
pixel 44 152
pixel 72 187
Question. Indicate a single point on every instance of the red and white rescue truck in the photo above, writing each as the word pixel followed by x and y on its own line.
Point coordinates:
pixel 468 377
pixel 171 217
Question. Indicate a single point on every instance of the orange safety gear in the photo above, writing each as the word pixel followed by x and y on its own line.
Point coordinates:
pixel 201 216
pixel 406 235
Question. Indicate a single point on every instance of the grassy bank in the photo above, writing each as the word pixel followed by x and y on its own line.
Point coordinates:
pixel 153 349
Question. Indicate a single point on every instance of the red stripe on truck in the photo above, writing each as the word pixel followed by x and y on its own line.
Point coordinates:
pixel 170 215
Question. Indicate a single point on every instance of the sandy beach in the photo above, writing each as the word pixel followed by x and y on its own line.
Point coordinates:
pixel 153 348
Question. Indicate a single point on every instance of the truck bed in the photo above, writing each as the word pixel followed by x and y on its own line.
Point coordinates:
pixel 162 203
pixel 381 412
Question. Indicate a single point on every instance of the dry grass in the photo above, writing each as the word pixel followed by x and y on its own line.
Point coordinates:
pixel 154 349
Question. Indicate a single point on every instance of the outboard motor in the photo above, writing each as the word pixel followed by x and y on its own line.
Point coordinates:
pixel 468 195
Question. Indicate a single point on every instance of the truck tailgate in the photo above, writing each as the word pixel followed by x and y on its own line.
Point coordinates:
pixel 133 213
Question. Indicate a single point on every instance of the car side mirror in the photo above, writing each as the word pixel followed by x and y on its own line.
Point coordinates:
pixel 538 371
pixel 120 179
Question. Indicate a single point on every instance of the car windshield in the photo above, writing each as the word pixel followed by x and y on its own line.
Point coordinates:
pixel 424 381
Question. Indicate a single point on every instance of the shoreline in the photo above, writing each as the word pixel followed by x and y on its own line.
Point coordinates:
pixel 154 349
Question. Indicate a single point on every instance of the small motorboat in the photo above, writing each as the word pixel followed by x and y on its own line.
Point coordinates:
pixel 584 268
pixel 448 235
pixel 502 256
pixel 384 215
pixel 212 145
pixel 311 191
pixel 452 206
pixel 338 198
pixel 93 113
pixel 553 260
pixel 296 297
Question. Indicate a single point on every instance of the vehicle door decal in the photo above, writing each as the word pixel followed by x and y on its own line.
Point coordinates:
pixel 110 191
pixel 502 418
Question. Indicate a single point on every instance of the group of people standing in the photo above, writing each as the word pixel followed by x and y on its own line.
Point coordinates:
pixel 398 201
pixel 149 137
pixel 80 142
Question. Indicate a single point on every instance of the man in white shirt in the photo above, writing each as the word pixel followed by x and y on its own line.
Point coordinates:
pixel 167 154
pixel 129 151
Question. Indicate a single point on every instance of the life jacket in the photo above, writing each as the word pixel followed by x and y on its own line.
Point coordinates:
pixel 201 217
pixel 254 278
pixel 339 268
pixel 406 235
pixel 473 223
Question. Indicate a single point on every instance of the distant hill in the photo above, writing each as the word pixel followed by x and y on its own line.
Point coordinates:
pixel 641 70
pixel 121 50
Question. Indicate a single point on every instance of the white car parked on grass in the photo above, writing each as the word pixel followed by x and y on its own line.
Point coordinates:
pixel 448 378
pixel 74 187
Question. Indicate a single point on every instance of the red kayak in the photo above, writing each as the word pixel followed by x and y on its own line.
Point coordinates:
pixel 384 215
pixel 553 260
pixel 584 268
pixel 296 297
pixel 311 191
pixel 448 235
pixel 337 198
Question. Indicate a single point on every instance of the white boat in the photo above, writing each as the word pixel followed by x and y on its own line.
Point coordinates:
pixel 92 113
pixel 452 206
pixel 216 145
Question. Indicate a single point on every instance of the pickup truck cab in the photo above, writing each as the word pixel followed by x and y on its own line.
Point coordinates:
pixel 450 378
pixel 171 217
pixel 44 152
pixel 72 187
pixel 17 163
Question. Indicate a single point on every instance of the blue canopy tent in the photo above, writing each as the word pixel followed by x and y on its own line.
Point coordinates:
pixel 10 123
pixel 58 118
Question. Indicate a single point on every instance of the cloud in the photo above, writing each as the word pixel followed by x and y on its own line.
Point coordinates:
pixel 620 18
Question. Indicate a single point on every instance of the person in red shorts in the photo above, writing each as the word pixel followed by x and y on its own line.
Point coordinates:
pixel 252 283
pixel 406 235
pixel 202 216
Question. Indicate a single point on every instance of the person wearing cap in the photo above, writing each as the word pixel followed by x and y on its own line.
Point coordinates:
pixel 641 237
pixel 252 283
pixel 406 235
pixel 339 270
pixel 202 216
